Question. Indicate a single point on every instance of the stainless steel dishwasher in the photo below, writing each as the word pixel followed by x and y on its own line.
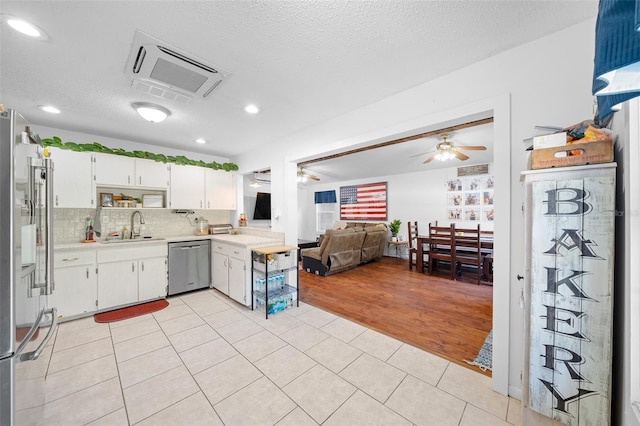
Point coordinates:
pixel 189 266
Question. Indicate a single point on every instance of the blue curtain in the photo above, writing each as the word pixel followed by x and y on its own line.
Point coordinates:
pixel 617 46
pixel 325 197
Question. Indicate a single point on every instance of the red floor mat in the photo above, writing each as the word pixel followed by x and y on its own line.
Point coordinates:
pixel 131 311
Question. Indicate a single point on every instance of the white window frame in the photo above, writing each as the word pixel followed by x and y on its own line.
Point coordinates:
pixel 325 216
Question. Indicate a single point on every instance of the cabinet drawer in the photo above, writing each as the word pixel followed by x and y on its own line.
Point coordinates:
pixel 131 253
pixel 67 258
pixel 228 250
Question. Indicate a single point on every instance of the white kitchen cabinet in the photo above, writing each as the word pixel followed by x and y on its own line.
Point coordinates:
pixel 228 271
pixel 220 272
pixel 75 291
pixel 220 189
pixel 237 281
pixel 122 171
pixel 187 187
pixel 152 174
pixel 73 185
pixel 152 278
pixel 117 283
pixel 123 271
pixel 114 170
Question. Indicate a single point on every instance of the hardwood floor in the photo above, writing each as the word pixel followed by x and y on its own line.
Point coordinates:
pixel 447 318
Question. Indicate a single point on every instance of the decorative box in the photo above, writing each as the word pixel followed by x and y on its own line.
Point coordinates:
pixel 152 200
pixel 576 154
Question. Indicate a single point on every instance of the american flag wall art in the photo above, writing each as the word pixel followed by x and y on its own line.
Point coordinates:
pixel 364 202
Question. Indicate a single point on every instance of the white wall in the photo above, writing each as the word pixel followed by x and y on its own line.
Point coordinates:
pixel 420 196
pixel 546 82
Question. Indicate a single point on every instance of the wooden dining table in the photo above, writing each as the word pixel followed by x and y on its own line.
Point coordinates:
pixel 486 244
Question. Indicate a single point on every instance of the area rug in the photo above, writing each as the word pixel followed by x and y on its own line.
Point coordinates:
pixel 131 311
pixel 485 356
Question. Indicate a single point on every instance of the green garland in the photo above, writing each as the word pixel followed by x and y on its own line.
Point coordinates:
pixel 56 142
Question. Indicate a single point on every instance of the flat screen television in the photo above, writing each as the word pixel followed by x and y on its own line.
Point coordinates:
pixel 263 206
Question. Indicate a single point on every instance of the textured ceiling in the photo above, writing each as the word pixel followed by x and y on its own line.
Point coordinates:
pixel 302 62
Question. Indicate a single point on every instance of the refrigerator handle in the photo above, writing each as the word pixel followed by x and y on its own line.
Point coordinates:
pixel 32 356
pixel 49 280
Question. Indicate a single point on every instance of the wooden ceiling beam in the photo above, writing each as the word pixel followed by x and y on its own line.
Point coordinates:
pixel 401 140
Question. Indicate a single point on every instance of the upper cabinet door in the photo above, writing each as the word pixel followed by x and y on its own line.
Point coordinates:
pixel 115 170
pixel 73 179
pixel 151 174
pixel 220 189
pixel 187 187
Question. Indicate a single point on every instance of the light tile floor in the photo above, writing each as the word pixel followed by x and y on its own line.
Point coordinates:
pixel 205 360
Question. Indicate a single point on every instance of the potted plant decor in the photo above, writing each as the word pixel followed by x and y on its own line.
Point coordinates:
pixel 394 227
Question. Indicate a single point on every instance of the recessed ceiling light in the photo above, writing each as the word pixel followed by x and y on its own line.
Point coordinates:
pixel 201 140
pixel 24 27
pixel 151 112
pixel 252 109
pixel 49 108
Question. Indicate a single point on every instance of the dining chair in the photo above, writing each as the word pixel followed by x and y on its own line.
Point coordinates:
pixel 468 250
pixel 413 246
pixel 442 247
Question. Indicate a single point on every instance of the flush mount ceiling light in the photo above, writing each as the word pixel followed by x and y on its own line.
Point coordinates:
pixel 201 141
pixel 25 27
pixel 151 112
pixel 49 108
pixel 251 109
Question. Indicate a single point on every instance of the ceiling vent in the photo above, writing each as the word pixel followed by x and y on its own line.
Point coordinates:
pixel 162 70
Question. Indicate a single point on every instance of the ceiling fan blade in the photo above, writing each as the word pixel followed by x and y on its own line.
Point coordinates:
pixel 460 155
pixel 472 148
pixel 428 160
pixel 312 177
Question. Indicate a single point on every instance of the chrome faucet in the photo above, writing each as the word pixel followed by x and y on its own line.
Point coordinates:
pixel 133 233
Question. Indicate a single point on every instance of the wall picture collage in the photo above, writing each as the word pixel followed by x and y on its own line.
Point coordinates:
pixel 470 198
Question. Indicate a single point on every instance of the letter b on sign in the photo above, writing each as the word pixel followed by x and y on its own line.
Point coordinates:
pixel 567 201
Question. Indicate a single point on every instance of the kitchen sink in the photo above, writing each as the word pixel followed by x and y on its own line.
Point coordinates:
pixel 134 240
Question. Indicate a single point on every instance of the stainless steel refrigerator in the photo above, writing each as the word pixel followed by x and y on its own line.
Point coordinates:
pixel 26 270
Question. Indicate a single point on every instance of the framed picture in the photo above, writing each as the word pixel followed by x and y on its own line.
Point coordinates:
pixel 106 199
pixel 364 202
pixel 472 214
pixel 454 185
pixel 472 184
pixel 472 199
pixel 454 214
pixel 487 182
pixel 487 198
pixel 455 199
pixel 487 213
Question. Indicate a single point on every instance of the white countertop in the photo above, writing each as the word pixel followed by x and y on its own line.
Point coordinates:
pixel 243 240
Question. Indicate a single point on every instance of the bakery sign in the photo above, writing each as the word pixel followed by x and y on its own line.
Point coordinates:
pixel 572 245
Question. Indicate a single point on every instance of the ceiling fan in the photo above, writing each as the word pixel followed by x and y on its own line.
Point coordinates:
pixel 303 177
pixel 445 150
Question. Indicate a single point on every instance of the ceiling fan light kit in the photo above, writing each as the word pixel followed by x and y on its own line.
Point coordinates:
pixel 304 177
pixel 446 151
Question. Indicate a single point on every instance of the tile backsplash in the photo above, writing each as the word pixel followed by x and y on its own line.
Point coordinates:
pixel 69 224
